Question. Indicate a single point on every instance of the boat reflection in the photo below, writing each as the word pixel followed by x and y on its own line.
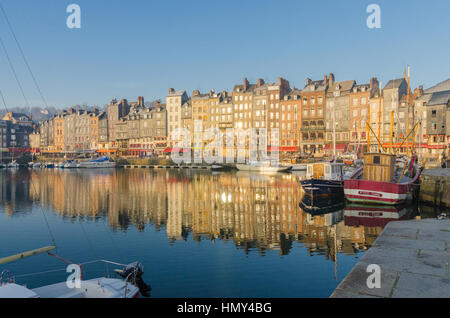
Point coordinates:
pixel 317 205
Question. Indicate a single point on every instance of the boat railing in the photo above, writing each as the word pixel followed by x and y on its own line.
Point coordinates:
pixel 82 266
pixel 413 180
pixel 356 173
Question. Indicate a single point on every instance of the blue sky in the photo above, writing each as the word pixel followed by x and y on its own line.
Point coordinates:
pixel 142 47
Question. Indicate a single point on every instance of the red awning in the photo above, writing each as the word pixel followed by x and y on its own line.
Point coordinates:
pixel 340 147
pixel 176 150
pixel 289 149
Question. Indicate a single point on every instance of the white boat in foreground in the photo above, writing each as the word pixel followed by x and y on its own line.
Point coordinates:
pixel 128 286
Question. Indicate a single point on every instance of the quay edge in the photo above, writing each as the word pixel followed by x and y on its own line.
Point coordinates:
pixel 413 257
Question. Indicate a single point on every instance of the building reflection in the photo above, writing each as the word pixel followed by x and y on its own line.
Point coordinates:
pixel 256 212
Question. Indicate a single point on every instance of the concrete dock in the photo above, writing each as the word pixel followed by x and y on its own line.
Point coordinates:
pixel 414 261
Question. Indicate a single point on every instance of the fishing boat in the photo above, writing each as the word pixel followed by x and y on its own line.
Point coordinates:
pixel 380 181
pixel 128 285
pixel 384 179
pixel 264 166
pixel 324 178
pixel 103 162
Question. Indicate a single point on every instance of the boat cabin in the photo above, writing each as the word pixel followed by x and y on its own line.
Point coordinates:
pixel 325 171
pixel 379 167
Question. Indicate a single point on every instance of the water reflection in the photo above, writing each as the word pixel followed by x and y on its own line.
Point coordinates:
pixel 256 212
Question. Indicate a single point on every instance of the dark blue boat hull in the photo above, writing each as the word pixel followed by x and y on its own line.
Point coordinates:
pixel 317 187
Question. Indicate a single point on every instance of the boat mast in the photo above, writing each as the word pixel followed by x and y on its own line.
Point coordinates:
pixel 391 131
pixel 16 257
pixel 407 105
pixel 334 134
pixel 379 115
pixel 367 128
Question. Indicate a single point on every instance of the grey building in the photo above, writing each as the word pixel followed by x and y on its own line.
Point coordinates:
pixel 337 111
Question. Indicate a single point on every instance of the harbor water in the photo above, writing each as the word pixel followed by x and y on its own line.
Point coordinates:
pixel 197 233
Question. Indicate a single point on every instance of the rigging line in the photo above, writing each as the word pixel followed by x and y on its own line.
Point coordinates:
pixel 23 55
pixel 32 185
pixel 14 71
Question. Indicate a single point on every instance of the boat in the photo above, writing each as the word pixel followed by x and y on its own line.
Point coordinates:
pixel 298 167
pixel 12 165
pixel 49 165
pixel 129 284
pixel 380 181
pixel 103 162
pixel 324 178
pixel 220 167
pixel 264 166
pixel 70 164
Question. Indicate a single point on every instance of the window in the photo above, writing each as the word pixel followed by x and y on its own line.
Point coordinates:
pixel 376 160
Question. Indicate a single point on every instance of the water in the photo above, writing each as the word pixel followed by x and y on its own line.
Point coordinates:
pixel 197 233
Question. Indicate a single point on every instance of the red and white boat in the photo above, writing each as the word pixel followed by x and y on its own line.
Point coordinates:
pixel 379 181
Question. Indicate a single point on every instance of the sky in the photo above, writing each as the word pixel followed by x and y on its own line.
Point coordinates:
pixel 126 49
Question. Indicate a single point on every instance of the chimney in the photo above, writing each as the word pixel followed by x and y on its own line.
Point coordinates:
pixel 418 91
pixel 156 103
pixel 260 82
pixel 246 84
pixel 171 91
pixel 331 78
pixel 141 101
pixel 308 81
pixel 374 83
pixel 325 80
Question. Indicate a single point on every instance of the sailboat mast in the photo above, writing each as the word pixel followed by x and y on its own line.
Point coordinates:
pixel 367 128
pixel 379 115
pixel 334 135
pixel 407 105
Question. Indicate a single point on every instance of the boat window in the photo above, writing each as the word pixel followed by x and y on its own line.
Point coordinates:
pixel 376 160
pixel 327 169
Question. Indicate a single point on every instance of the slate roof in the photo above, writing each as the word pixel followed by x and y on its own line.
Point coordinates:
pixel 314 86
pixel 394 83
pixel 442 86
pixel 341 86
pixel 439 98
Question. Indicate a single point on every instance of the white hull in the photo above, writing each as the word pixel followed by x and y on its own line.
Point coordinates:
pixel 94 288
pixel 261 168
pixel 96 165
pixel 299 167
